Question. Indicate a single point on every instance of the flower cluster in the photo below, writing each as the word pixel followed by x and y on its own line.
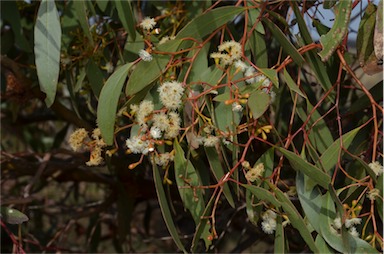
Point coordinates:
pixel 269 221
pixel 349 224
pixel 229 52
pixel 156 127
pixel 148 23
pixel 79 140
pixel 253 173
pixel 376 167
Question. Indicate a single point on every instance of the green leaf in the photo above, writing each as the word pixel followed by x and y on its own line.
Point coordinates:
pixel 291 84
pixel 310 170
pixel 206 23
pixel 312 58
pixel 295 218
pixel 95 77
pixel 284 42
pixel 47 48
pixel 108 100
pixel 334 37
pixel 82 16
pixel 164 207
pixel 334 239
pixel 322 245
pixel 12 215
pixel 262 194
pixel 103 4
pixel 147 72
pixel 124 10
pixel 328 4
pixel 330 156
pixel 218 171
pixel 258 103
pixel 187 179
pixel 272 75
pixel 279 236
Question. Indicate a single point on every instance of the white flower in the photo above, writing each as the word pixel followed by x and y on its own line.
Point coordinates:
pixel 109 67
pixel 161 121
pixel 373 194
pixel 233 48
pixel 148 23
pixel 354 232
pixel 155 132
pixel 351 222
pixel 236 107
pixel 145 55
pixel 262 78
pixel 211 141
pixel 95 158
pixel 137 145
pixel 241 65
pixel 170 94
pixel 163 159
pixel 76 140
pixel 145 108
pixel 255 172
pixel 337 223
pixel 250 72
pixel 269 221
pixel 376 167
pixel 174 125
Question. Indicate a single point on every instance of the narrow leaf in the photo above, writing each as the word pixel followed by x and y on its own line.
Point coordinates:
pixel 108 100
pixel 47 36
pixel 164 207
pixel 334 37
pixel 284 42
pixel 279 236
pixel 292 85
pixel 82 17
pixel 310 170
pixel 206 23
pixel 262 194
pixel 330 157
pixel 124 10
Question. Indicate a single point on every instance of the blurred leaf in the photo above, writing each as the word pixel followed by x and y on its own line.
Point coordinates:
pixel 379 201
pixel 218 171
pixel 10 13
pixel 164 207
pixel 328 4
pixel 147 72
pixel 284 42
pixel 320 27
pixel 187 180
pixel 256 41
pixel 93 233
pixel 272 75
pixel 363 102
pixel 47 35
pixel 95 77
pixel 296 220
pixel 322 245
pixel 292 85
pixel 279 236
pixel 312 58
pixel 226 119
pixel 310 170
pixel 206 23
pixel 330 156
pixel 319 135
pixel 125 205
pixel 353 245
pixel 124 10
pixel 378 34
pixel 103 4
pixel 82 17
pixel 262 194
pixel 334 37
pixel 108 100
pixel 13 216
pixel 258 103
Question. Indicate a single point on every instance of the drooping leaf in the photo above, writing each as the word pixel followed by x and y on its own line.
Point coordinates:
pixel 165 210
pixel 330 156
pixel 262 194
pixel 334 37
pixel 218 172
pixel 279 236
pixel 147 72
pixel 322 245
pixel 108 100
pixel 206 23
pixel 12 215
pixel 296 220
pixel 124 10
pixel 82 17
pixel 299 164
pixel 284 42
pixel 378 34
pixel 258 103
pixel 47 34
pixel 187 179
pixel 95 77
pixel 291 84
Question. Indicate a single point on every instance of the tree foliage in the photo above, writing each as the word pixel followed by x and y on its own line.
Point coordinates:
pixel 228 118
